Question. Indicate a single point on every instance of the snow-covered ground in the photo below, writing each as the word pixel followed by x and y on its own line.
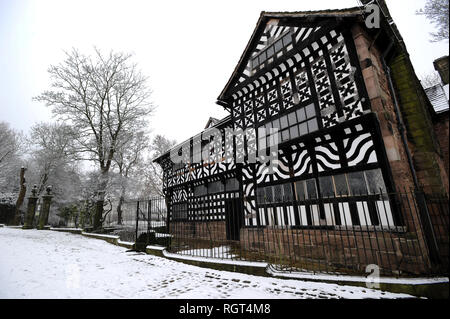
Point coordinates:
pixel 216 252
pixel 50 264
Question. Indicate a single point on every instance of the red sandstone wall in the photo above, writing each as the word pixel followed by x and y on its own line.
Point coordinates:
pixel 441 129
pixel 336 250
pixel 434 178
pixel 382 104
pixel 199 230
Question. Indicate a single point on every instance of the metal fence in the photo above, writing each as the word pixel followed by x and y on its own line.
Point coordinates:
pixel 142 221
pixel 402 234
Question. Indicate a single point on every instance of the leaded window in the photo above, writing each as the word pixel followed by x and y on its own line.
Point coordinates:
pixel 353 184
pixel 357 183
pixel 306 190
pixel 281 193
pixel 326 186
pixel 278 193
pixel 292 125
pixel 268 194
pixel 375 181
pixel 215 187
pixel 200 190
pixel 179 211
pixel 231 184
pixel 272 50
pixel 340 183
pixel 287 193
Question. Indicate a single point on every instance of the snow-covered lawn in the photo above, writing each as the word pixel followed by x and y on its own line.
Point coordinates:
pixel 50 264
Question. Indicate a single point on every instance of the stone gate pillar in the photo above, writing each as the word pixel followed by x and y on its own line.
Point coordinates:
pixel 47 199
pixel 31 209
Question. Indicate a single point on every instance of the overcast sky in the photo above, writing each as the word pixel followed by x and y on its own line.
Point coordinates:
pixel 187 48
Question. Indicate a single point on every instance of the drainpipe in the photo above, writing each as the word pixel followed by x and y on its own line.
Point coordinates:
pixel 401 124
pixel 424 213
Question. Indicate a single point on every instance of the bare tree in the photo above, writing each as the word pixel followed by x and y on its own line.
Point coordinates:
pixel 20 197
pixel 50 162
pixel 127 158
pixel 11 143
pixel 153 172
pixel 430 79
pixel 437 12
pixel 102 97
pixel 12 174
pixel 53 149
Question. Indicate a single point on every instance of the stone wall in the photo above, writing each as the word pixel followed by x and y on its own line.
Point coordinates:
pixel 416 112
pixel 338 250
pixel 441 128
pixel 199 230
pixel 382 104
pixel 422 142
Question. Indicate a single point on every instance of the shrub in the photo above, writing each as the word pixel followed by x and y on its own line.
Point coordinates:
pixel 7 212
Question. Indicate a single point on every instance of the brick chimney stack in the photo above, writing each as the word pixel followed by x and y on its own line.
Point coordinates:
pixel 441 65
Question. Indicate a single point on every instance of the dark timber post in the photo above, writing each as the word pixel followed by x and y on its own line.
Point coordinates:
pixel 149 216
pixel 23 189
pixel 31 210
pixel 149 220
pixel 137 221
pixel 168 212
pixel 47 199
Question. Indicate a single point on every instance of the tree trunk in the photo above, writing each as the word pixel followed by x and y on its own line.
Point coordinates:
pixel 119 210
pixel 101 191
pixel 119 206
pixel 21 197
pixel 98 214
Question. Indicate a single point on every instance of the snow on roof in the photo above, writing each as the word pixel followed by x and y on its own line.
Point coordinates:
pixel 211 122
pixel 217 124
pixel 438 96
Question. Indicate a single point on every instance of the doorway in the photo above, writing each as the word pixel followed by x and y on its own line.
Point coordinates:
pixel 234 213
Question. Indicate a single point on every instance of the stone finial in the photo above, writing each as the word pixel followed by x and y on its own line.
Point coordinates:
pixel 34 191
pixel 441 65
pixel 100 194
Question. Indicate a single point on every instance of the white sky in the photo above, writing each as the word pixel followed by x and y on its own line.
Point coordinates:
pixel 188 49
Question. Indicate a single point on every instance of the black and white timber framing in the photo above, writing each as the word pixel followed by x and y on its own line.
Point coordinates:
pixel 300 74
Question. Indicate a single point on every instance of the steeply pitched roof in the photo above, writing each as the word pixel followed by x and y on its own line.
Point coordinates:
pixel 220 123
pixel 211 122
pixel 438 98
pixel 263 21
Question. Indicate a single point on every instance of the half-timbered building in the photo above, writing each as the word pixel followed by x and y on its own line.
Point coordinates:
pixel 349 131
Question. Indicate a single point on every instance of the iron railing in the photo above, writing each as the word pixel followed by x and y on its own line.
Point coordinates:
pixel 403 234
pixel 140 220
